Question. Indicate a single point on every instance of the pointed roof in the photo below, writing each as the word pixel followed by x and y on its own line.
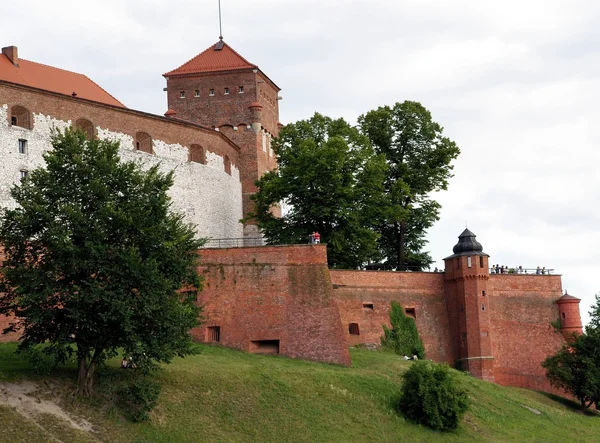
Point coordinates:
pixel 52 79
pixel 467 245
pixel 568 297
pixel 218 57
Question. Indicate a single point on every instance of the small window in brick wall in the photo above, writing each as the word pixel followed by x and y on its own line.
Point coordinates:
pixel 482 306
pixel 241 90
pixel 410 312
pixel 368 306
pixel 481 261
pixel 197 93
pixel 483 293
pixel 211 92
pixel 226 91
pixel 182 94
pixel 564 315
pixel 353 329
pixel 213 334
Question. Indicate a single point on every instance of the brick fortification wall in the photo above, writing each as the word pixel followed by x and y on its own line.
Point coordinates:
pixel 522 307
pixel 267 294
pixel 364 297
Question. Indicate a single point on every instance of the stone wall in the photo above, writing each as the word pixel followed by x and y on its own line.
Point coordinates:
pixel 255 298
pixel 210 197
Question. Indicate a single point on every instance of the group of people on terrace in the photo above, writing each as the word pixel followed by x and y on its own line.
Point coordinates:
pixel 517 270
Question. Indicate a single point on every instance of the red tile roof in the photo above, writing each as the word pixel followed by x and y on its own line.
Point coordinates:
pixel 213 60
pixel 53 79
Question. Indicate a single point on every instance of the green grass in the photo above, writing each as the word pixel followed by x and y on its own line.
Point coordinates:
pixel 225 395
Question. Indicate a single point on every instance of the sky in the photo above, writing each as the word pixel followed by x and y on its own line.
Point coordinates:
pixel 516 84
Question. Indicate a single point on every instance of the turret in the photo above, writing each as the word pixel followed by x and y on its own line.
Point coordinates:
pixel 570 318
pixel 466 277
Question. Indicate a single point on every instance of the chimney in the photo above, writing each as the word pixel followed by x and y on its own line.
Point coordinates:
pixel 12 53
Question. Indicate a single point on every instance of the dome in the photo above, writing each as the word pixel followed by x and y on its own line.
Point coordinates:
pixel 467 245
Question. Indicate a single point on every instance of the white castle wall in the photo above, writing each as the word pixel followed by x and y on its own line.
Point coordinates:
pixel 210 198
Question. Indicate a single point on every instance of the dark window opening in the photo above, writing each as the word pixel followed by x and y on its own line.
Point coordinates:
pixel 20 116
pixel 213 334
pixel 182 94
pixel 197 93
pixel 483 293
pixel 87 127
pixel 226 91
pixel 368 306
pixel 481 261
pixel 197 154
pixel 482 307
pixel 268 347
pixel 410 312
pixel 564 315
pixel 24 173
pixel 22 146
pixel 143 142
pixel 211 92
pixel 241 89
pixel 353 329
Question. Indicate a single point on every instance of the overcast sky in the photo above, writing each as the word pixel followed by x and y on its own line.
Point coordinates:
pixel 514 83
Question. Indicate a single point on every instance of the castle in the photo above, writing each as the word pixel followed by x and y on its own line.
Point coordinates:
pixel 216 137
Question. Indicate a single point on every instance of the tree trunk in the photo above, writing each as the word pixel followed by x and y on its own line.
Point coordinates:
pixel 86 373
pixel 401 230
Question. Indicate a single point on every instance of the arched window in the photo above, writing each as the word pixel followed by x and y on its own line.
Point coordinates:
pixel 20 116
pixel 197 154
pixel 227 164
pixel 143 142
pixel 87 127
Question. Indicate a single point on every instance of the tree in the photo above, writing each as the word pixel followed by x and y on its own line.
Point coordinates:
pixel 431 395
pixel 403 338
pixel 331 182
pixel 95 260
pixel 575 368
pixel 419 159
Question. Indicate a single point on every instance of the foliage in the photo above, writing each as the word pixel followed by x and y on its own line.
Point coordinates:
pixel 431 395
pixel 576 369
pixel 419 159
pixel 403 338
pixel 331 181
pixel 139 398
pixel 95 260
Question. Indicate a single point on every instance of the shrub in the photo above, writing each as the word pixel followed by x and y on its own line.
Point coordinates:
pixel 403 338
pixel 139 398
pixel 431 396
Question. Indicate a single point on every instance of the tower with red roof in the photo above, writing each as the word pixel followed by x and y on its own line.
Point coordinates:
pixel 219 88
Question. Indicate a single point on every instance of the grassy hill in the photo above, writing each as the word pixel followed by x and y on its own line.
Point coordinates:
pixel 225 395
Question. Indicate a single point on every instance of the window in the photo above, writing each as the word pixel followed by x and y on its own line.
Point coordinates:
pixel 481 261
pixel 143 142
pixel 197 154
pixel 87 127
pixel 410 312
pixel 24 173
pixel 264 347
pixel 197 93
pixel 22 146
pixel 241 90
pixel 468 262
pixel 211 92
pixel 20 116
pixel 368 306
pixel 482 307
pixel 182 94
pixel 483 293
pixel 226 91
pixel 353 329
pixel 564 315
pixel 227 165
pixel 213 334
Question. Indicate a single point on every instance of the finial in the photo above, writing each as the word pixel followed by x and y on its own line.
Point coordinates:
pixel 220 23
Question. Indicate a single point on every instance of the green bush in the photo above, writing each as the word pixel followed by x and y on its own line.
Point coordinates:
pixel 431 396
pixel 139 398
pixel 403 338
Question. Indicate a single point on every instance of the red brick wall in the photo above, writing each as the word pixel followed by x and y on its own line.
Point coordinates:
pixel 521 309
pixel 421 291
pixel 118 119
pixel 4 323
pixel 273 293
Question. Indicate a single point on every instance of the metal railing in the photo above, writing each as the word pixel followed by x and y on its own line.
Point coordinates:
pixel 518 270
pixel 234 242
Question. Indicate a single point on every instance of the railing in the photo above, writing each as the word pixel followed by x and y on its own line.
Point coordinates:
pixel 521 271
pixel 234 242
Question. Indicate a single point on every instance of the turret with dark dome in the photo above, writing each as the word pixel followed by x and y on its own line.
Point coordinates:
pixel 467 245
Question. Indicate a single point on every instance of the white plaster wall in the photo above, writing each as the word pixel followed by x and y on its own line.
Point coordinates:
pixel 210 198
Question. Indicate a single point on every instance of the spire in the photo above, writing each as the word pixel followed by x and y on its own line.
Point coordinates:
pixel 220 23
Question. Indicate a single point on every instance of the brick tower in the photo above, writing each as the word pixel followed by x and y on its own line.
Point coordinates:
pixel 220 89
pixel 465 285
pixel 570 318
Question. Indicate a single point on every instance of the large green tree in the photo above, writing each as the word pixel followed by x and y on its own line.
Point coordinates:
pixel 576 366
pixel 330 181
pixel 419 159
pixel 95 260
